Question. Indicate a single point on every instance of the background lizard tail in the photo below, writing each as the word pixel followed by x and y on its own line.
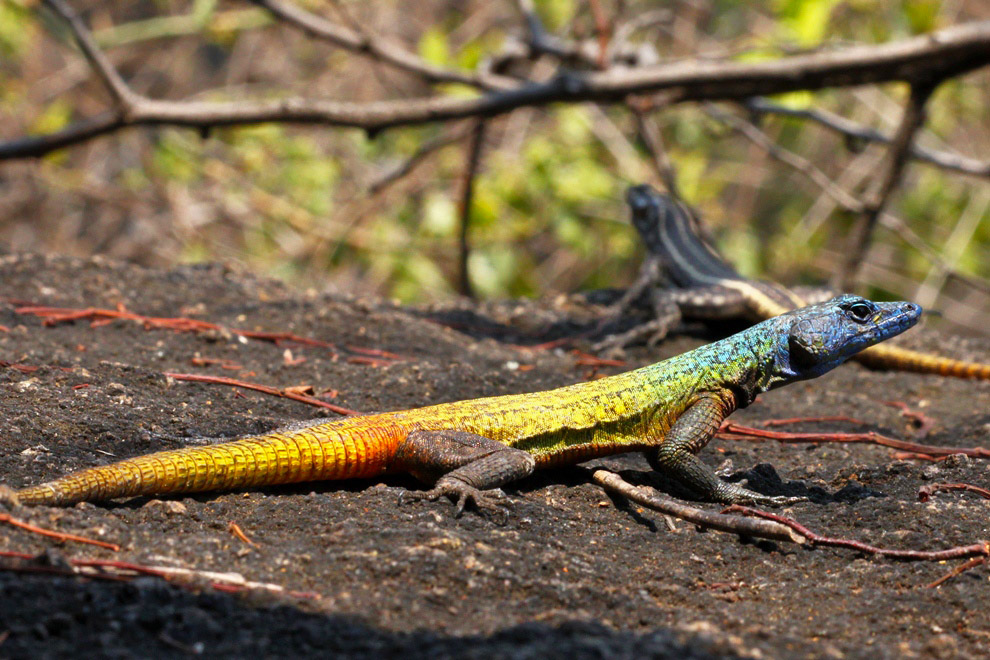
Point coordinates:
pixel 904 359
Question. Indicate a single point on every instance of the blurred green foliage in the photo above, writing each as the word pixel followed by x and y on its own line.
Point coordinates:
pixel 548 213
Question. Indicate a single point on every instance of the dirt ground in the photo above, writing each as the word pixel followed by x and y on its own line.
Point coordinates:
pixel 572 573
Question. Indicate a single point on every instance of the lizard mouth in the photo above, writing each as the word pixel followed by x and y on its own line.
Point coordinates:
pixel 904 319
pixel 909 315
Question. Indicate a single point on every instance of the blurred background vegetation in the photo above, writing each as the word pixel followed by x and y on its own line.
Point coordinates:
pixel 305 203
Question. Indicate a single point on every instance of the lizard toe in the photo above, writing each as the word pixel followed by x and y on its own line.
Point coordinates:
pixel 774 500
pixel 490 503
pixel 407 496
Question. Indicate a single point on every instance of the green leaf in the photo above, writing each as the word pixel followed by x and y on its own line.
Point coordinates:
pixel 807 21
pixel 433 47
pixel 798 100
pixel 55 116
pixel 922 15
pixel 16 28
pixel 555 13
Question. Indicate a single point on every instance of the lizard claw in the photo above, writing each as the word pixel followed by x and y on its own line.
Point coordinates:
pixel 488 502
pixel 775 500
pixel 736 494
pixel 407 496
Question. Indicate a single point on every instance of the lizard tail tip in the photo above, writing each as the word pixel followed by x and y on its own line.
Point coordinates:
pixel 8 497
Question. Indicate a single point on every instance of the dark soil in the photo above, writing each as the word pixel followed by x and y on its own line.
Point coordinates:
pixel 572 573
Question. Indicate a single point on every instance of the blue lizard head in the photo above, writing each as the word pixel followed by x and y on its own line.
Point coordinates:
pixel 821 337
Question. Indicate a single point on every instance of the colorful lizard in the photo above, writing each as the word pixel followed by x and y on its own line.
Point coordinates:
pixel 670 410
pixel 699 284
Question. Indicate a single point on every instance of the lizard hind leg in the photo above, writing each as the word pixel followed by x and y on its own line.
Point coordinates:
pixel 467 468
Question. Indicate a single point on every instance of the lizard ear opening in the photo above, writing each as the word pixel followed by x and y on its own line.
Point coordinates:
pixel 802 352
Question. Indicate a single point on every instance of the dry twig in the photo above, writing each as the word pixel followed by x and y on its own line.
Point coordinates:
pixel 103 569
pixel 58 536
pixel 925 492
pixel 732 431
pixel 850 129
pixel 287 393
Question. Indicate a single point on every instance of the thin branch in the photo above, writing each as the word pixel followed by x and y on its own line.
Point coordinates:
pixel 733 431
pixel 118 89
pixel 426 149
pixel 583 54
pixel 651 499
pixel 961 568
pixel 850 129
pixel 534 26
pixel 934 56
pixel 474 148
pixel 603 29
pixel 35 146
pixel 652 139
pixel 770 525
pixel 381 50
pixel 287 393
pixel 9 496
pixel 980 548
pixel 56 315
pixel 839 194
pixel 925 492
pixel 801 164
pixel 540 42
pixel 889 176
pixel 105 569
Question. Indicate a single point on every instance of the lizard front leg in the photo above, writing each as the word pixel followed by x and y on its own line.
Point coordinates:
pixel 676 459
pixel 666 315
pixel 469 466
pixel 650 276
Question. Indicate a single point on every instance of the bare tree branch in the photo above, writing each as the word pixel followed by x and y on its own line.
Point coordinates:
pixel 649 133
pixel 35 146
pixel 883 185
pixel 850 129
pixel 931 57
pixel 800 163
pixel 474 148
pixel 840 195
pixel 118 89
pixel 424 151
pixel 381 50
pixel 603 28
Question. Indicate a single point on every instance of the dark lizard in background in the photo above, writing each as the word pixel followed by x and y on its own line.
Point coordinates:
pixel 669 410
pixel 686 278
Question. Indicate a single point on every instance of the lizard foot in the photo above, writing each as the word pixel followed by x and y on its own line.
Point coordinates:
pixel 653 331
pixel 746 496
pixel 778 500
pixel 489 502
pixel 732 493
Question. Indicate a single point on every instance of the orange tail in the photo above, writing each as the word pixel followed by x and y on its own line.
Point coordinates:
pixel 341 449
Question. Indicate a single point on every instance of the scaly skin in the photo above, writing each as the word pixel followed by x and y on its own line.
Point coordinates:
pixel 706 286
pixel 671 409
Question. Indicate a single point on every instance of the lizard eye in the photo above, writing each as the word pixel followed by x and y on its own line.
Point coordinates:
pixel 860 312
